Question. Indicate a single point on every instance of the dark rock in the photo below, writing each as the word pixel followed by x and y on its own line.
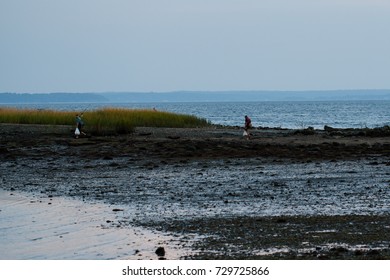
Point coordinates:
pixel 173 137
pixel 339 250
pixel 160 252
pixel 373 253
pixel 278 184
pixel 328 128
pixel 358 253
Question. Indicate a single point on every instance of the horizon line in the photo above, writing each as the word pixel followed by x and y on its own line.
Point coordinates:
pixel 204 91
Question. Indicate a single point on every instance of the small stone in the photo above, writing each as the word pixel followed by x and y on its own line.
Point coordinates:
pixel 160 252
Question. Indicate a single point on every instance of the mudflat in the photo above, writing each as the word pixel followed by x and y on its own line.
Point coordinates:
pixel 283 194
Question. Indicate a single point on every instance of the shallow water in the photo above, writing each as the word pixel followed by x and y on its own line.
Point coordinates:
pixel 33 227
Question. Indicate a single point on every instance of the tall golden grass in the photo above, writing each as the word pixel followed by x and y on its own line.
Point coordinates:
pixel 101 121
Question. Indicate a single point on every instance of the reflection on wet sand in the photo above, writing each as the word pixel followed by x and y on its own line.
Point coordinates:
pixel 60 228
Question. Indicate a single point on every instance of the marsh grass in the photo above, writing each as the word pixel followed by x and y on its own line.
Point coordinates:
pixel 103 121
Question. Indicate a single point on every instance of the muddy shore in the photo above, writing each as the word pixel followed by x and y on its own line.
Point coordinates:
pixel 284 194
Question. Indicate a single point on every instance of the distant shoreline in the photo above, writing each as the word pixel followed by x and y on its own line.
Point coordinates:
pixel 197 96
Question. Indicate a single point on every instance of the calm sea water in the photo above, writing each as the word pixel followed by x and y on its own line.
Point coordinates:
pixel 291 114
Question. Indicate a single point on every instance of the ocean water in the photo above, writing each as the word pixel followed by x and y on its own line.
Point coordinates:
pixel 281 114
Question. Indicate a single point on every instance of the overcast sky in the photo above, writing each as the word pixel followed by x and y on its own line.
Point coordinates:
pixel 169 45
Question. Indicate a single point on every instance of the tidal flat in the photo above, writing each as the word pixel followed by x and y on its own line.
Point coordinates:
pixel 284 194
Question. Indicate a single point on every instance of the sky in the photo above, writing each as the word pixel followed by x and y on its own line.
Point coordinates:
pixel 210 45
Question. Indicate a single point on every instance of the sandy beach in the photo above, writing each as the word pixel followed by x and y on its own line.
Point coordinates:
pixel 205 193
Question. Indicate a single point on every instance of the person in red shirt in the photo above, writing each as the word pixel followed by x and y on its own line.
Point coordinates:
pixel 248 125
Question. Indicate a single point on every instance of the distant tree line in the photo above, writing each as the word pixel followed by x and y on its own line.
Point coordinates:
pixel 195 96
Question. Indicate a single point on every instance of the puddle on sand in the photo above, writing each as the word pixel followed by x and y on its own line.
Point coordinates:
pixel 61 228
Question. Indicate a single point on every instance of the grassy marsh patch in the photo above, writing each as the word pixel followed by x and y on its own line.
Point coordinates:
pixel 102 121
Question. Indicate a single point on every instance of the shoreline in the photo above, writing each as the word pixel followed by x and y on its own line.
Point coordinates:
pixel 212 182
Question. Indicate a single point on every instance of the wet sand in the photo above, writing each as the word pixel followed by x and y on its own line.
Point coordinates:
pixel 283 194
pixel 60 228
